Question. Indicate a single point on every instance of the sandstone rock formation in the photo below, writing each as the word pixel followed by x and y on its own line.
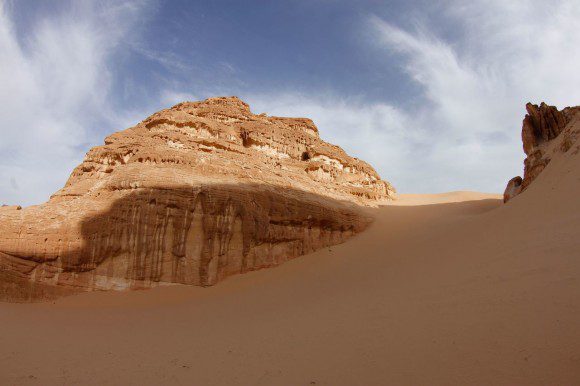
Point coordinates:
pixel 190 195
pixel 513 188
pixel 546 131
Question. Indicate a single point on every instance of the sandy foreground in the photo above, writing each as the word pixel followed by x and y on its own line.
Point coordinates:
pixel 443 289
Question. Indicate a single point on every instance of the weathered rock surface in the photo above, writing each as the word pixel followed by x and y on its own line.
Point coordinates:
pixel 513 188
pixel 190 195
pixel 546 131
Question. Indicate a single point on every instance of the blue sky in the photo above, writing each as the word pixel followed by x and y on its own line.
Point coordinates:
pixel 432 95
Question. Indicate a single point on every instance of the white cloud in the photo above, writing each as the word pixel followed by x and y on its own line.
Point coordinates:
pixel 56 82
pixel 503 55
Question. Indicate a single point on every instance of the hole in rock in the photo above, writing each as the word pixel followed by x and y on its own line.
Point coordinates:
pixel 246 141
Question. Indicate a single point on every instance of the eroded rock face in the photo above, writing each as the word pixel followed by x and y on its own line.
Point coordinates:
pixel 513 188
pixel 541 124
pixel 545 131
pixel 190 195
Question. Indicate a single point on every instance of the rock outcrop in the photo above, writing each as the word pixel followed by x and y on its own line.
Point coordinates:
pixel 191 195
pixel 545 131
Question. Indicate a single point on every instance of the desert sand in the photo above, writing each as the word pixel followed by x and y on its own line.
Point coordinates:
pixel 442 289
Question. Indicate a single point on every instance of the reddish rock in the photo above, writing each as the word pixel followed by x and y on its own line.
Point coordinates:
pixel 191 195
pixel 541 124
pixel 512 189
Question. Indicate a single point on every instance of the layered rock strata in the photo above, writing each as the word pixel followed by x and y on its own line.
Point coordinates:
pixel 191 195
pixel 546 131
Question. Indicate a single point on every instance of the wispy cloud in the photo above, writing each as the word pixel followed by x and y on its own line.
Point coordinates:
pixel 503 54
pixel 56 83
pixel 170 60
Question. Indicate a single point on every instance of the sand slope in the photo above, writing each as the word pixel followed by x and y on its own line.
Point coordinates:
pixel 441 290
